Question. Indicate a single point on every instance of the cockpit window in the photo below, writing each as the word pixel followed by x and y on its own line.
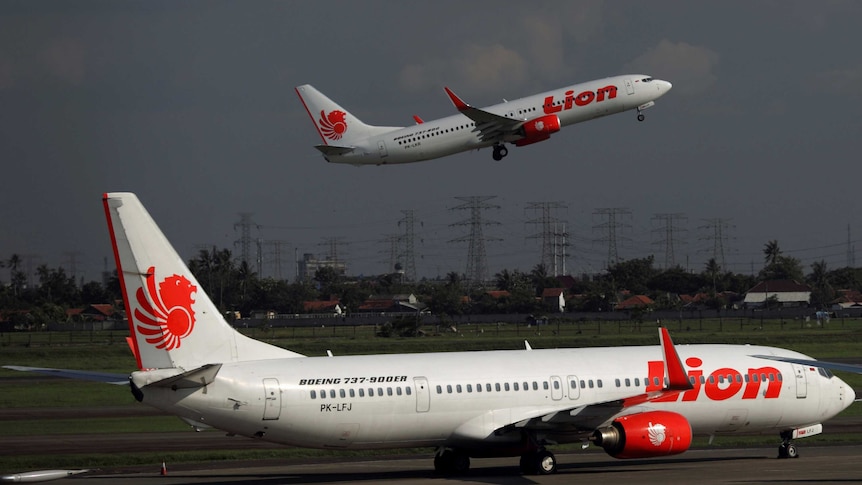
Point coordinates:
pixel 825 372
pixel 646 79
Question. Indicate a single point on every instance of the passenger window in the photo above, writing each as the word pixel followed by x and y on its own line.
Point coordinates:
pixel 545 385
pixel 515 386
pixel 313 394
pixel 599 383
pixel 371 391
pixel 398 391
pixel 488 387
pixel 590 382
pixel 380 391
pixel 388 391
pixel 556 384
pixel 617 382
pixel 408 391
pixel 583 384
pixel 535 386
pixel 497 386
pixel 458 388
pixel 332 393
pixel 439 390
pixel 628 382
pixel 361 392
pixel 506 386
pixel 342 393
pixel 469 387
pixel 449 388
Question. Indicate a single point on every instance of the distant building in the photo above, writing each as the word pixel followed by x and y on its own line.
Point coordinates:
pixel 788 293
pixel 308 266
pixel 635 302
pixel 329 307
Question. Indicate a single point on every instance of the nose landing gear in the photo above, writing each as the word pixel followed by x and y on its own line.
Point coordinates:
pixel 787 449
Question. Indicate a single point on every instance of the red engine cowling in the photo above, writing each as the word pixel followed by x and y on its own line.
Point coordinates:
pixel 644 435
pixel 539 129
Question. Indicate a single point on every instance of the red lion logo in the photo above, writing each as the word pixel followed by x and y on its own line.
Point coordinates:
pixel 166 315
pixel 333 125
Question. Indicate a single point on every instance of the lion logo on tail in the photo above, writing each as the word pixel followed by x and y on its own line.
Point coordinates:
pixel 165 316
pixel 334 124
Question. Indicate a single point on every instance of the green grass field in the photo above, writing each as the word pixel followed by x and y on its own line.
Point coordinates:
pixel 108 352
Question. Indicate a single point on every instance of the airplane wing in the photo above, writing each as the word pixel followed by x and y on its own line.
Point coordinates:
pixel 491 127
pixel 580 418
pixel 815 363
pixel 81 375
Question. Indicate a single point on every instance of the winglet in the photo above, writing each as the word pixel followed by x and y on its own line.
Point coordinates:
pixel 417 119
pixel 458 102
pixel 677 378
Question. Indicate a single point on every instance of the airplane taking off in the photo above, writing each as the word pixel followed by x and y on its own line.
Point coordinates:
pixel 520 122
pixel 634 402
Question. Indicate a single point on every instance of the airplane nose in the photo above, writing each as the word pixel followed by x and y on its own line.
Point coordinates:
pixel 665 86
pixel 849 395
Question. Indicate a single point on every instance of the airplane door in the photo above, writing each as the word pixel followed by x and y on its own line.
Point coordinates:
pixel 574 390
pixel 381 146
pixel 556 388
pixel 272 399
pixel 630 88
pixel 801 381
pixel 423 394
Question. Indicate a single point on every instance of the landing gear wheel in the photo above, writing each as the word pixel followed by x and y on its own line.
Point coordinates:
pixel 541 462
pixel 451 462
pixel 547 462
pixel 788 451
pixel 500 151
pixel 640 117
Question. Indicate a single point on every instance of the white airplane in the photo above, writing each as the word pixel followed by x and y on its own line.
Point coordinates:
pixel 521 122
pixel 634 402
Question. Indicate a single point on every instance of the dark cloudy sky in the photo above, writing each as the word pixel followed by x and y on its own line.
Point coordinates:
pixel 190 104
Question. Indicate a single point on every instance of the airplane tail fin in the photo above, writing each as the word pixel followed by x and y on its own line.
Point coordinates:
pixel 335 125
pixel 173 322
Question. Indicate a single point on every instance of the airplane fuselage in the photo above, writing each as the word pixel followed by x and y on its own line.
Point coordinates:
pixel 458 133
pixel 469 400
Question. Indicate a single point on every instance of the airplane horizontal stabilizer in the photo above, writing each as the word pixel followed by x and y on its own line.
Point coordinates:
pixel 200 377
pixel 333 150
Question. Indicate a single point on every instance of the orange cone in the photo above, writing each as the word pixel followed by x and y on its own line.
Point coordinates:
pixel 164 469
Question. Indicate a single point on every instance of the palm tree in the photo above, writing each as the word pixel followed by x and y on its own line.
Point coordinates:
pixel 771 252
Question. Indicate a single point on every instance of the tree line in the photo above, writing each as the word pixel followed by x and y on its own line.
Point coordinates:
pixel 234 287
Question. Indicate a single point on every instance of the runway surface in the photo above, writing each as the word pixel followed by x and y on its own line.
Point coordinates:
pixel 834 464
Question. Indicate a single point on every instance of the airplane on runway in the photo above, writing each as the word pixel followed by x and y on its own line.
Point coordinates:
pixel 634 402
pixel 520 122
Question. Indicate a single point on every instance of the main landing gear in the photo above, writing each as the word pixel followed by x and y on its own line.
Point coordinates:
pixel 539 462
pixel 500 151
pixel 787 449
pixel 448 461
pixel 454 462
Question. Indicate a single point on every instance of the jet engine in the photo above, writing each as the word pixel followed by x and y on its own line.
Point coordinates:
pixel 538 129
pixel 644 435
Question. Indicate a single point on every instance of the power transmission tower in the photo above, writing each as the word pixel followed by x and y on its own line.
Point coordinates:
pixel 718 227
pixel 245 240
pixel 477 266
pixel 851 250
pixel 274 256
pixel 72 258
pixel 553 235
pixel 667 230
pixel 333 243
pixel 408 256
pixel 391 240
pixel 613 215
